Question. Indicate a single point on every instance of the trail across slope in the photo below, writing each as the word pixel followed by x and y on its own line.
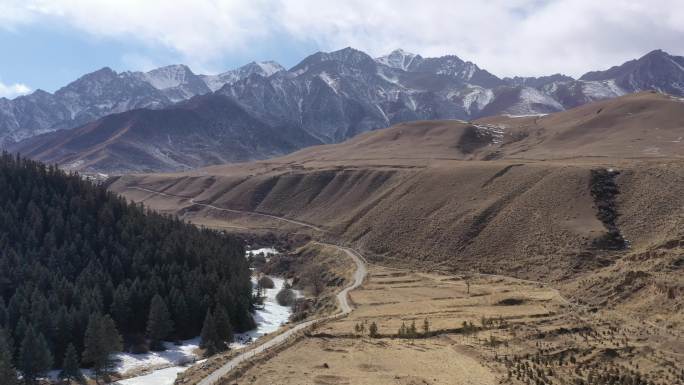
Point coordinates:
pixel 253 213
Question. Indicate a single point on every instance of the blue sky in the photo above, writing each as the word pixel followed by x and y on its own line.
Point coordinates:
pixel 52 55
pixel 48 43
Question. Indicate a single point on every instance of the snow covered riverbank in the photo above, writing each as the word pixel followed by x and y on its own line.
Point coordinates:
pixel 163 367
pixel 269 318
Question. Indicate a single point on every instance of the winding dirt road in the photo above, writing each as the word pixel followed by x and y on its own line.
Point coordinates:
pixel 252 213
pixel 345 307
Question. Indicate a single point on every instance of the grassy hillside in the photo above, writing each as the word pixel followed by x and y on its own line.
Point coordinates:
pixel 423 195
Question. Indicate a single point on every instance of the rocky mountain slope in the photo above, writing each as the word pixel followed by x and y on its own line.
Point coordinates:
pixel 104 92
pixel 334 96
pixel 208 129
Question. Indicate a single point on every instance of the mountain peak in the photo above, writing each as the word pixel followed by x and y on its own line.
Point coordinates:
pixel 104 72
pixel 261 68
pixel 400 51
pixel 169 76
pixel 348 56
pixel 656 70
pixel 656 52
pixel 91 80
pixel 399 59
pixel 264 68
pixel 172 68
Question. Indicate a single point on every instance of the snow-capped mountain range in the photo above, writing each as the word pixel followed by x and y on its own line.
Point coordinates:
pixel 105 91
pixel 326 98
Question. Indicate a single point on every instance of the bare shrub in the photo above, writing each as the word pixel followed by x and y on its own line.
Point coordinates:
pixel 266 282
pixel 286 297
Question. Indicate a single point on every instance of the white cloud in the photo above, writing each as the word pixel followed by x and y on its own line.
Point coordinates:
pixel 13 90
pixel 14 12
pixel 199 30
pixel 507 37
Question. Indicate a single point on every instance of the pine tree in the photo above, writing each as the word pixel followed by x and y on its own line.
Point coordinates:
pixel 159 324
pixel 101 340
pixel 112 340
pixel 70 365
pixel 3 309
pixel 373 330
pixel 120 308
pixel 94 344
pixel 210 339
pixel 402 330
pixel 426 326
pixel 223 326
pixel 181 316
pixel 8 374
pixel 35 358
pixel 412 332
pixel 63 332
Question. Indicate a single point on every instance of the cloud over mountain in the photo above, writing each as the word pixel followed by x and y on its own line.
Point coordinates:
pixel 522 37
pixel 13 90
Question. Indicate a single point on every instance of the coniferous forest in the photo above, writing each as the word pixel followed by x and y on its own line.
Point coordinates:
pixel 82 271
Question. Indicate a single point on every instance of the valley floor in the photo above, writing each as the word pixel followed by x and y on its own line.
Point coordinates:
pixel 523 332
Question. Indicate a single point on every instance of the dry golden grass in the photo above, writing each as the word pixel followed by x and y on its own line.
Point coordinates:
pixel 535 330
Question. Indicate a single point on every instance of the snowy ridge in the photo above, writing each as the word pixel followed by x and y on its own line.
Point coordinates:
pixel 387 90
pixel 603 89
pixel 398 59
pixel 167 77
pixel 479 97
pixel 264 68
pixel 270 67
pixel 532 101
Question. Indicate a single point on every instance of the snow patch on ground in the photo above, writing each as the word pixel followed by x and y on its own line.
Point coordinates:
pixel 412 103
pixel 265 250
pixel 468 71
pixel 158 377
pixel 532 101
pixel 523 115
pixel 387 78
pixel 531 95
pixel 173 355
pixel 332 83
pixel 602 89
pixel 478 96
pixel 495 131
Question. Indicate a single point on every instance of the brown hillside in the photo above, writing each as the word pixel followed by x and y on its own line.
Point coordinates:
pixel 406 195
pixel 634 126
